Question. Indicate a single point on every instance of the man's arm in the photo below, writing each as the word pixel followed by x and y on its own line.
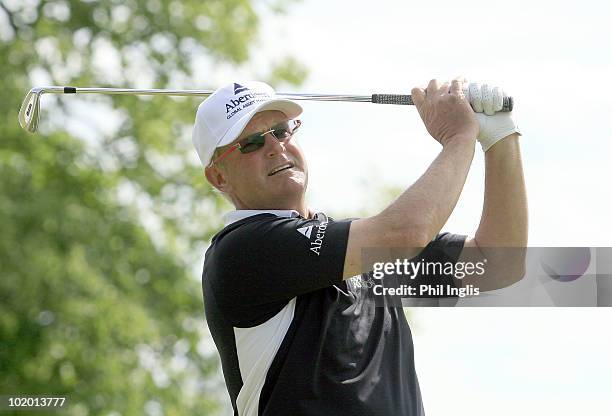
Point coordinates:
pixel 502 234
pixel 417 216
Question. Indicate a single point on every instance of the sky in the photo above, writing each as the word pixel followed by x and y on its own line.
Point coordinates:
pixel 555 59
pixel 509 361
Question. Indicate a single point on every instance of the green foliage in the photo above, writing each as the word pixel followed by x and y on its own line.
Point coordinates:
pixel 289 70
pixel 102 228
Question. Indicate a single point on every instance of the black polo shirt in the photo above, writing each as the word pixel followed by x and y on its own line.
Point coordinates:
pixel 294 338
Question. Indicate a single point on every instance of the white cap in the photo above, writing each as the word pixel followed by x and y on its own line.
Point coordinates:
pixel 222 117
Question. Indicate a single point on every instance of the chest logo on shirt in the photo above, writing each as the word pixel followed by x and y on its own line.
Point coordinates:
pixel 315 245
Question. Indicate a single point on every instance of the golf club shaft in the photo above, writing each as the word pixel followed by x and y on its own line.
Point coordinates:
pixel 30 108
pixel 399 99
pixel 205 93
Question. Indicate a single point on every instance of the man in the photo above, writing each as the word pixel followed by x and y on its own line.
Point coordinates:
pixel 297 332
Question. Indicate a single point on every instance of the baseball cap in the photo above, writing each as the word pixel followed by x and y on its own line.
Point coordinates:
pixel 222 117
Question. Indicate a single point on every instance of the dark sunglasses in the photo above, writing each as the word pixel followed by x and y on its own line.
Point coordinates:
pixel 281 132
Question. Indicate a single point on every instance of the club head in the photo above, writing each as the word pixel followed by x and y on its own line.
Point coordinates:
pixel 29 113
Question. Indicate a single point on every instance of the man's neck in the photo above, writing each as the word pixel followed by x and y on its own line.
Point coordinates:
pixel 304 210
pixel 301 208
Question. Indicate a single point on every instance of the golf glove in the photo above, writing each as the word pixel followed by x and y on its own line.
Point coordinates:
pixel 494 126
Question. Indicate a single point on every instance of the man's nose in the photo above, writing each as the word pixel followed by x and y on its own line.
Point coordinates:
pixel 273 145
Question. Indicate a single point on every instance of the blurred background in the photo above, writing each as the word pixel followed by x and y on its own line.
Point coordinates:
pixel 105 215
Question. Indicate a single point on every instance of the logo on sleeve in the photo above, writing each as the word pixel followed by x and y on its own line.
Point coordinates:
pixel 305 231
pixel 315 246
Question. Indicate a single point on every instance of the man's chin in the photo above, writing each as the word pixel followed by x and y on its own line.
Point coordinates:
pixel 289 191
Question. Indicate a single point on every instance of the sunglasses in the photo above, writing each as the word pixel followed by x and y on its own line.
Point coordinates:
pixel 281 132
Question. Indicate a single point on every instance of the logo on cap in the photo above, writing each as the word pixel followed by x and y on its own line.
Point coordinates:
pixel 239 88
pixel 244 98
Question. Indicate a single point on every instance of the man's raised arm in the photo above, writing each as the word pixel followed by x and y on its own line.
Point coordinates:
pixel 502 234
pixel 419 214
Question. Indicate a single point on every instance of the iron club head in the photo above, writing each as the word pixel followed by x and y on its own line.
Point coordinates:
pixel 29 113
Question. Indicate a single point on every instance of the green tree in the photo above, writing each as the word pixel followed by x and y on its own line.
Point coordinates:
pixel 104 220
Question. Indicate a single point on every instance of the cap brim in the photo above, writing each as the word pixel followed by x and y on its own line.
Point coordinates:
pixel 288 107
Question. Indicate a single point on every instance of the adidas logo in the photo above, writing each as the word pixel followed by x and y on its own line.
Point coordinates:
pixel 239 88
pixel 305 231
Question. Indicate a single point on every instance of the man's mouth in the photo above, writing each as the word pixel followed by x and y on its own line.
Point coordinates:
pixel 281 168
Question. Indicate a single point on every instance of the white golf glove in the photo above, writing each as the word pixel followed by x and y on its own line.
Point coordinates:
pixel 494 126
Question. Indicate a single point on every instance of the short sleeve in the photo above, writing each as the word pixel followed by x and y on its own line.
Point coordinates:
pixel 445 248
pixel 257 267
pixel 431 268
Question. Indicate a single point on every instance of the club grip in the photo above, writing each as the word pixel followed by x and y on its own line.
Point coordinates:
pixel 399 99
pixel 403 99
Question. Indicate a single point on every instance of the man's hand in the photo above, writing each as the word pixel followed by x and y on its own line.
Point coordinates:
pixel 493 126
pixel 446 112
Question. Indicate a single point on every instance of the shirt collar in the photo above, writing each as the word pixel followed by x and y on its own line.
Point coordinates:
pixel 241 214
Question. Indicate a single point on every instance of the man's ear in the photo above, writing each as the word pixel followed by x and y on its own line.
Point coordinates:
pixel 217 178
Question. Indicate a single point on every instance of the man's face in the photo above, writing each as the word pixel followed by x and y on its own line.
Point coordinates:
pixel 249 178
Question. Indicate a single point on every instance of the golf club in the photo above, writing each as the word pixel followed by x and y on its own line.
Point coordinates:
pixel 29 113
